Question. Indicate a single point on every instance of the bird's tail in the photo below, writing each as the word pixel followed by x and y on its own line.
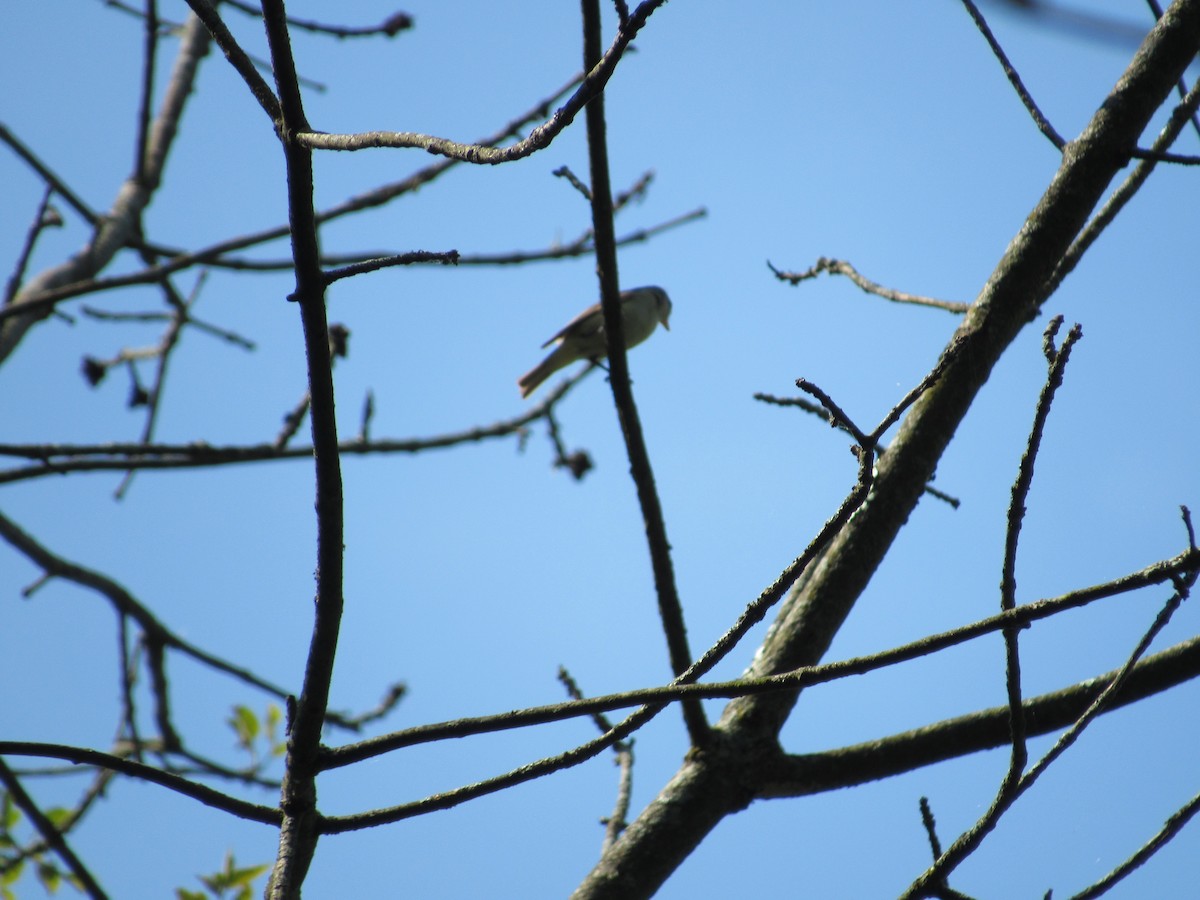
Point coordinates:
pixel 531 380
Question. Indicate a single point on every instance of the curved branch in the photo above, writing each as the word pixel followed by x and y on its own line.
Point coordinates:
pixel 82 756
pixel 155 633
pixel 538 139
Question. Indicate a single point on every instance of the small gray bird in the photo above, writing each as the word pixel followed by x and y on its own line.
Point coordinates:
pixel 583 337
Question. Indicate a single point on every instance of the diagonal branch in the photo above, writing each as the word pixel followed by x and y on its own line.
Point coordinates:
pixel 253 812
pixel 1110 688
pixel 703 791
pixel 50 833
pixel 1184 565
pixel 116 229
pixel 155 634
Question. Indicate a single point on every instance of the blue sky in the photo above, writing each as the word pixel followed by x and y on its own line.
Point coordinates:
pixel 884 134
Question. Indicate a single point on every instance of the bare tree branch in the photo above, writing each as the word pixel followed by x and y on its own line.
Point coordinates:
pixel 206 795
pixel 538 139
pixel 114 230
pixel 50 833
pixel 666 589
pixel 840 267
pixel 702 793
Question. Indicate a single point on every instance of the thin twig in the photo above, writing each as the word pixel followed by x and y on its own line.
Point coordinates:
pixel 538 139
pixel 180 314
pixel 1042 122
pixel 389 27
pixel 971 839
pixel 243 809
pixel 1170 828
pixel 146 96
pixel 1014 79
pixel 39 224
pixel 616 822
pixel 840 267
pixel 447 258
pixel 1180 116
pixel 49 176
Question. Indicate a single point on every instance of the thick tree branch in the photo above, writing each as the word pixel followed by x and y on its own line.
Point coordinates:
pixel 806 774
pixel 116 229
pixel 704 791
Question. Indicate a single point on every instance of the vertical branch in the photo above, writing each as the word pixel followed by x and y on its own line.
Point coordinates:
pixel 1016 780
pixel 669 607
pixel 180 309
pixel 1057 360
pixel 968 841
pixel 299 830
pixel 127 658
pixel 146 105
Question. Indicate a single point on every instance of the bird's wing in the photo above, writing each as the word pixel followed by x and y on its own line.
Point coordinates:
pixel 580 324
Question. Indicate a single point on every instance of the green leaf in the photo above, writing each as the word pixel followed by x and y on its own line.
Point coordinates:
pixel 244 724
pixel 10 815
pixel 245 876
pixel 214 882
pixel 12 875
pixel 50 877
pixel 59 816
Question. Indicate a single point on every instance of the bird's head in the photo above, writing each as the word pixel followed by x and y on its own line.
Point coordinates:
pixel 662 304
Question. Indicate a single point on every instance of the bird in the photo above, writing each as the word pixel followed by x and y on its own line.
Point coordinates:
pixel 583 337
